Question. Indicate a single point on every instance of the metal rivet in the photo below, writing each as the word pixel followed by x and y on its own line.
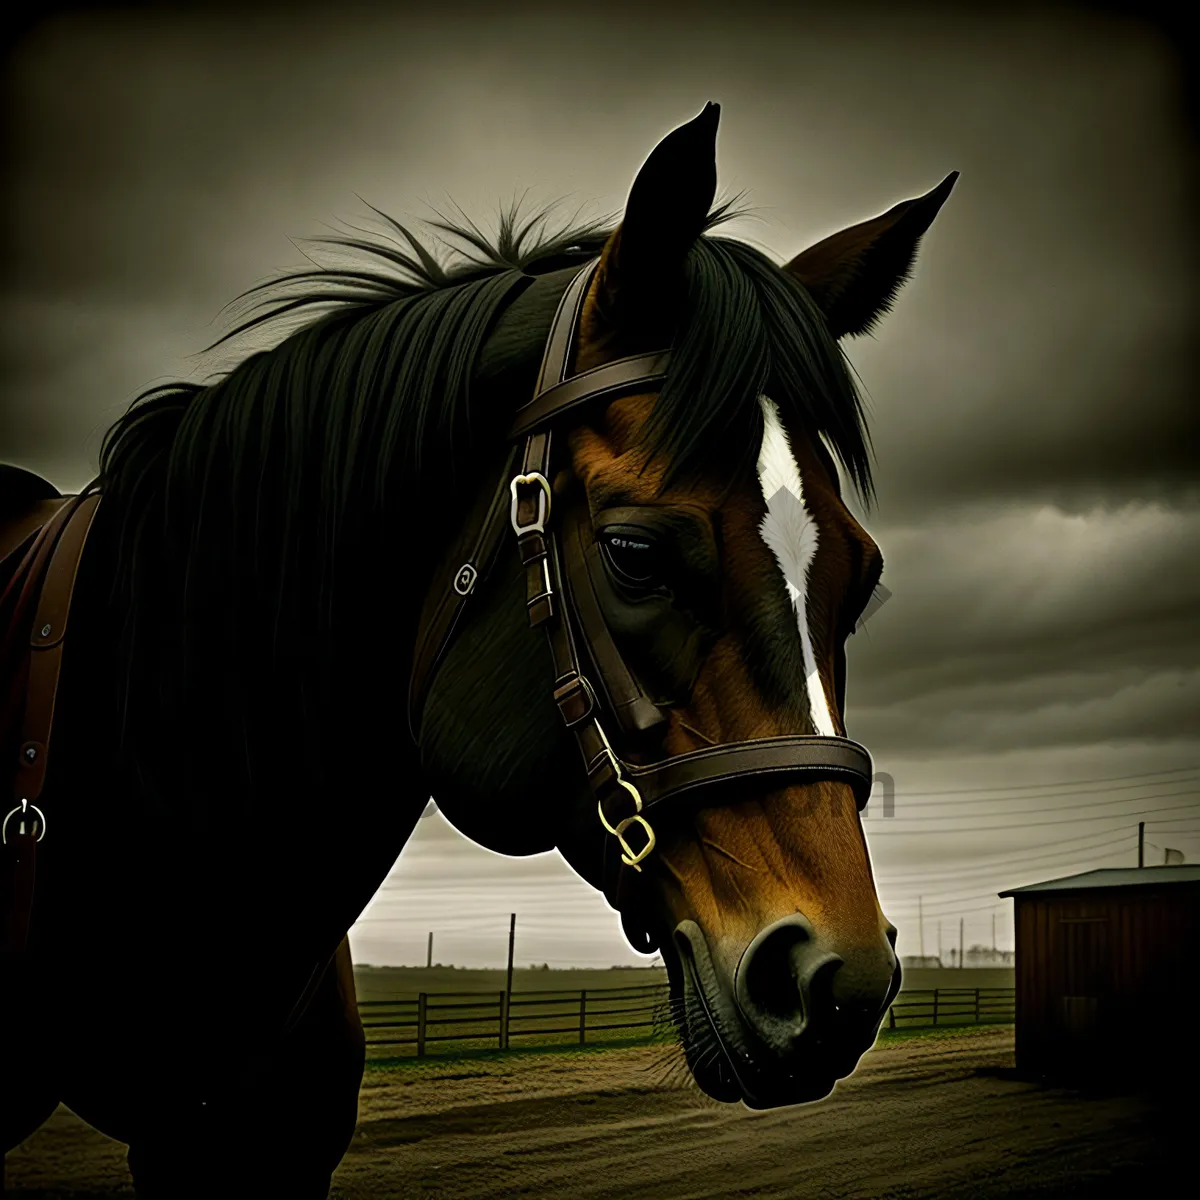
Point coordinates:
pixel 45 631
pixel 30 754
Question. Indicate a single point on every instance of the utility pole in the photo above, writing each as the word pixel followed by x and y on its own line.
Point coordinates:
pixel 921 922
pixel 512 935
pixel 429 951
pixel 993 933
pixel 939 943
pixel 961 921
pixel 1141 843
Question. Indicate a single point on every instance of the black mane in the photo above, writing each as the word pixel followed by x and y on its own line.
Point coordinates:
pixel 364 419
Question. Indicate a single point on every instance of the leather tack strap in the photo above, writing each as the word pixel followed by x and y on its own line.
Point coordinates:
pixel 65 545
pixel 48 571
pixel 512 505
pixel 561 601
pixel 625 376
pixel 532 495
pixel 637 715
pixel 469 563
pixel 557 354
pixel 793 759
pixel 17 532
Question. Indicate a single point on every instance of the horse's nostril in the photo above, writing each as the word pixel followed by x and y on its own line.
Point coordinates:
pixel 823 999
pixel 768 977
pixel 789 981
pixel 891 936
pixel 783 980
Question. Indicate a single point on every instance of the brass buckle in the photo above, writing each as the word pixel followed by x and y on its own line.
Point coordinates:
pixel 538 526
pixel 629 856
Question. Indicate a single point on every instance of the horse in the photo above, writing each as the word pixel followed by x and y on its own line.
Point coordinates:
pixel 299 614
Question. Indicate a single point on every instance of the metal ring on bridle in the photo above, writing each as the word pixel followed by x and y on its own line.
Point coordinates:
pixel 632 857
pixel 464 580
pixel 23 807
pixel 629 856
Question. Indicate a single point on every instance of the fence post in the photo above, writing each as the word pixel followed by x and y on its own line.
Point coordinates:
pixel 892 1016
pixel 582 1015
pixel 505 1005
pixel 935 1005
pixel 976 1006
pixel 421 1004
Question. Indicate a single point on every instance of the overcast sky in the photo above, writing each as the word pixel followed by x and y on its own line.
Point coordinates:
pixel 1032 398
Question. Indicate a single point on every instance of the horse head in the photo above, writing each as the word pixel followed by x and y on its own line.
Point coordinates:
pixel 706 523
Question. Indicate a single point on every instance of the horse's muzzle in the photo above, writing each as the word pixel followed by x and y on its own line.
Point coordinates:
pixel 795 1015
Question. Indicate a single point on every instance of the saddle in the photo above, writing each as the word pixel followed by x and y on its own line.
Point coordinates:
pixel 42 535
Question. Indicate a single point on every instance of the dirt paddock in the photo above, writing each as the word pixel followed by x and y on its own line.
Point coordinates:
pixel 928 1116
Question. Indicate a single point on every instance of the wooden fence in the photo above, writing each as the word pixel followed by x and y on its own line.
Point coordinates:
pixel 952 1006
pixel 419 1025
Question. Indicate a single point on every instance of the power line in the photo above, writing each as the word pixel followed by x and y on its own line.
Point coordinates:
pixel 1025 824
pixel 953 908
pixel 1017 787
pixel 1069 808
pixel 1005 800
pixel 1019 856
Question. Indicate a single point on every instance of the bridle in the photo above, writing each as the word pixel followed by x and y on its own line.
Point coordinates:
pixel 591 677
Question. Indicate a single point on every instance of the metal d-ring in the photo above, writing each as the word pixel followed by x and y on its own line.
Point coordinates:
pixel 538 526
pixel 629 856
pixel 23 808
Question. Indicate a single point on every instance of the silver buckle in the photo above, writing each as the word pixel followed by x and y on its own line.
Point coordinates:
pixel 538 526
pixel 23 808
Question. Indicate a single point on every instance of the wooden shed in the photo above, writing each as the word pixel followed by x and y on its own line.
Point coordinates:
pixel 1107 973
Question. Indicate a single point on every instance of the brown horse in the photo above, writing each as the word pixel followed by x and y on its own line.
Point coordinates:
pixel 233 773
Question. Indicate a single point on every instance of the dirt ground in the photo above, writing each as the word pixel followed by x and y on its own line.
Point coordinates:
pixel 930 1116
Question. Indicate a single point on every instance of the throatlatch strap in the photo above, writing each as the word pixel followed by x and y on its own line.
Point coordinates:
pixel 469 563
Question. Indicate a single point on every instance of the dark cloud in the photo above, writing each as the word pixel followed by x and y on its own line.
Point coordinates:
pixel 1031 590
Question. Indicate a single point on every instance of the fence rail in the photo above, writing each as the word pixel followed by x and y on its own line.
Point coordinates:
pixel 495 1020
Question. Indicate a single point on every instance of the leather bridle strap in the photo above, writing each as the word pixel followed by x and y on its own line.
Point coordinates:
pixel 624 376
pixel 474 554
pixel 470 560
pixel 53 567
pixel 558 601
pixel 625 792
pixel 787 759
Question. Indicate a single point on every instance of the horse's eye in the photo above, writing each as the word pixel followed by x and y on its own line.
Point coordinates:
pixel 632 556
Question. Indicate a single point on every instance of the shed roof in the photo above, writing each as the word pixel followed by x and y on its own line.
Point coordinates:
pixel 1111 877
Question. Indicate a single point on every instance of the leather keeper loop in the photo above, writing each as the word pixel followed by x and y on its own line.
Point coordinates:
pixel 532 547
pixel 541 609
pixel 575 700
pixel 602 776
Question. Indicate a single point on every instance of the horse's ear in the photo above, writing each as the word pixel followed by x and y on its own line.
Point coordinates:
pixel 854 275
pixel 666 212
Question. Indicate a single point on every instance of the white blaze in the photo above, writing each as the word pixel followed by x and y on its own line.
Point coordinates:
pixel 790 531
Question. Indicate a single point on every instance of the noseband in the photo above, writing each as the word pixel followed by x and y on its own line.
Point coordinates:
pixel 591 677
